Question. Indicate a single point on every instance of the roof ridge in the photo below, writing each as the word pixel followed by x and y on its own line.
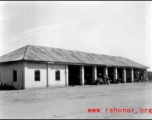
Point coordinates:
pixel 25 52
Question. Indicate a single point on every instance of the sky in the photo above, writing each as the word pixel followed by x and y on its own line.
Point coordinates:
pixel 119 28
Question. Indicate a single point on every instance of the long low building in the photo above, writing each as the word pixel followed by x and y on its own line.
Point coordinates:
pixel 40 67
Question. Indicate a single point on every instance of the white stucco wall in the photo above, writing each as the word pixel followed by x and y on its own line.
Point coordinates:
pixel 6 71
pixel 51 77
pixel 30 75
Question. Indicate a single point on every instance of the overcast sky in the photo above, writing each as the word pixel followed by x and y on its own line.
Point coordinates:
pixel 120 28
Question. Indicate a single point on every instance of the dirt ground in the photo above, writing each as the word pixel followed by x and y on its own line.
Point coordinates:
pixel 73 102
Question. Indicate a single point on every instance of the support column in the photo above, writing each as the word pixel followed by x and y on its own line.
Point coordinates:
pixel 115 74
pixel 24 75
pixel 132 75
pixel 106 70
pixel 66 75
pixel 124 75
pixel 82 75
pixel 47 79
pixel 94 73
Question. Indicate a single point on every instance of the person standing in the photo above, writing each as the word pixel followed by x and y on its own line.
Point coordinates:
pixel 104 79
pixel 107 80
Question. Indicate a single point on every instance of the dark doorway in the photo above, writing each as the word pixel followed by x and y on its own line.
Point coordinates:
pixel 138 75
pixel 100 71
pixel 88 75
pixel 74 75
pixel 120 76
pixel 128 75
pixel 111 73
pixel 141 73
pixel 135 75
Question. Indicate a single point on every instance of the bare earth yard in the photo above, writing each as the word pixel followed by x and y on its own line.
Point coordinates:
pixel 73 102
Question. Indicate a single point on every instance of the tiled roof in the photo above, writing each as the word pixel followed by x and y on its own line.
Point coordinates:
pixel 56 55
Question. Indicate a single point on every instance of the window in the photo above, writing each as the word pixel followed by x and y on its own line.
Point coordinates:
pixel 14 75
pixel 57 75
pixel 37 75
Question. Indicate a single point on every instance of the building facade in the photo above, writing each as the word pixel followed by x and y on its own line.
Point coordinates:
pixel 42 67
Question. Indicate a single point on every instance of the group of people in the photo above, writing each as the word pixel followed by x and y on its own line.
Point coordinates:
pixel 102 80
pixel 4 86
pixel 141 79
